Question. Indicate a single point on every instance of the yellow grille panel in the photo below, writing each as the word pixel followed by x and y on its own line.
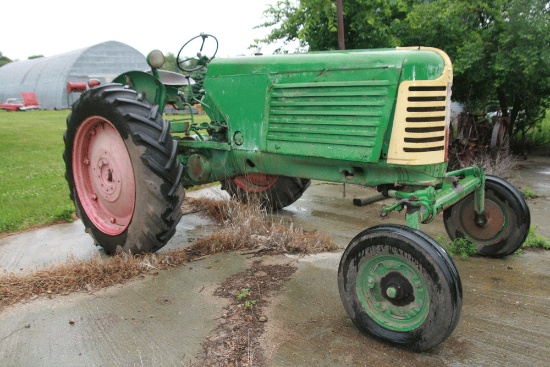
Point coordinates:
pixel 421 120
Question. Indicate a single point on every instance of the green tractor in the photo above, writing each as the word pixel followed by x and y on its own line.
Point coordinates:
pixel 378 118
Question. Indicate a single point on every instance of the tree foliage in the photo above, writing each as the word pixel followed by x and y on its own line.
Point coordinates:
pixel 500 49
pixel 4 60
pixel 170 63
pixel 369 24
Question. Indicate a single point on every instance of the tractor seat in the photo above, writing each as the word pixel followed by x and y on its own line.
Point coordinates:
pixel 171 79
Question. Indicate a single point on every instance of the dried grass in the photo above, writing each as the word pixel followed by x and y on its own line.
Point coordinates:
pixel 243 227
pixel 89 275
pixel 496 164
pixel 249 227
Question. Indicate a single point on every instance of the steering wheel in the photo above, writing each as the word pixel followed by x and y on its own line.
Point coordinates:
pixel 202 60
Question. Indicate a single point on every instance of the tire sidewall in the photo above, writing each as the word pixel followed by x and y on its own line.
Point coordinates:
pixel 444 289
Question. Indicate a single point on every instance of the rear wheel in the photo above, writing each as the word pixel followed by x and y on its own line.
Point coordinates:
pixel 398 284
pixel 507 219
pixel 122 170
pixel 269 191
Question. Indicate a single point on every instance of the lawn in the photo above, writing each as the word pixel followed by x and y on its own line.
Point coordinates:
pixel 541 134
pixel 33 190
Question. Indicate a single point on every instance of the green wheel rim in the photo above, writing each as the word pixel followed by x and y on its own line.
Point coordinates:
pixel 393 293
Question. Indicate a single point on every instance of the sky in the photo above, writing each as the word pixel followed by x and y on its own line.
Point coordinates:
pixel 52 27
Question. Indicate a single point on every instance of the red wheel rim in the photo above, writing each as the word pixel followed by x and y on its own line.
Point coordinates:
pixel 497 221
pixel 255 182
pixel 103 175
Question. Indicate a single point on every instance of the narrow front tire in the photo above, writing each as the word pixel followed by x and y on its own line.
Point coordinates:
pixel 507 219
pixel 399 285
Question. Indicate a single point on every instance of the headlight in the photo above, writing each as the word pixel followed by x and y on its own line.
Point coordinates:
pixel 155 59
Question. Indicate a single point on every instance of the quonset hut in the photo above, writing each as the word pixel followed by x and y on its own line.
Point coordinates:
pixel 49 76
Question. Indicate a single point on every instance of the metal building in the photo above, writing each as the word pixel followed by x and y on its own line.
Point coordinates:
pixel 49 76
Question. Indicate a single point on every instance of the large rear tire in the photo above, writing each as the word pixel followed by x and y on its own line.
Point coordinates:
pixel 399 285
pixel 269 191
pixel 507 219
pixel 122 170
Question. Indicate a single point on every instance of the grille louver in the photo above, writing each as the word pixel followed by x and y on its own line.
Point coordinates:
pixel 425 119
pixel 329 119
pixel 419 133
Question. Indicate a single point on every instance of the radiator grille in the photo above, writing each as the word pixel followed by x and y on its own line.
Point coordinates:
pixel 419 133
pixel 425 119
pixel 340 120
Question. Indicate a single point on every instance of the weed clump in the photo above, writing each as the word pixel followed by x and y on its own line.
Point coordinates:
pixel 460 246
pixel 528 193
pixel 535 240
pixel 247 226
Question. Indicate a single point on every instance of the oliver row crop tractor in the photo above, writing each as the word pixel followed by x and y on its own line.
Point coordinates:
pixel 378 118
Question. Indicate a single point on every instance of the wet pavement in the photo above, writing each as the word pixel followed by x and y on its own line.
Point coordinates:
pixel 163 320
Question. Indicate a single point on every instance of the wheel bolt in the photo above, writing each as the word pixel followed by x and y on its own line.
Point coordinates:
pixel 86 161
pixel 112 220
pixel 94 197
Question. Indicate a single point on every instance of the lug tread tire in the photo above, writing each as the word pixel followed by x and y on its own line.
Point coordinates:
pixel 157 171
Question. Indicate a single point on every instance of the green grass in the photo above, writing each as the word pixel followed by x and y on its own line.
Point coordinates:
pixel 33 190
pixel 535 240
pixel 460 246
pixel 542 133
pixel 528 193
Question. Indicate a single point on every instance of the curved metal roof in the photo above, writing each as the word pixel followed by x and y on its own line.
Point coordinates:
pixel 48 76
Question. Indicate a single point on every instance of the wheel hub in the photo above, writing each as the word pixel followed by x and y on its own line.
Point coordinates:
pixel 106 178
pixel 397 289
pixel 487 227
pixel 393 293
pixel 103 175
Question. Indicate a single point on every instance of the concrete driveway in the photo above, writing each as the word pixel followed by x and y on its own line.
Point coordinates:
pixel 165 320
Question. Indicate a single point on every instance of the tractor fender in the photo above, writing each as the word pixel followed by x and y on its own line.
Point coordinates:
pixel 146 84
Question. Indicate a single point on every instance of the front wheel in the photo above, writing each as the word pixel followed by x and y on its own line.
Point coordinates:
pixel 122 170
pixel 269 191
pixel 398 284
pixel 507 219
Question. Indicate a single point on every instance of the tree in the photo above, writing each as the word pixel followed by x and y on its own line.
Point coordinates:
pixel 368 23
pixel 170 63
pixel 500 49
pixel 4 59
